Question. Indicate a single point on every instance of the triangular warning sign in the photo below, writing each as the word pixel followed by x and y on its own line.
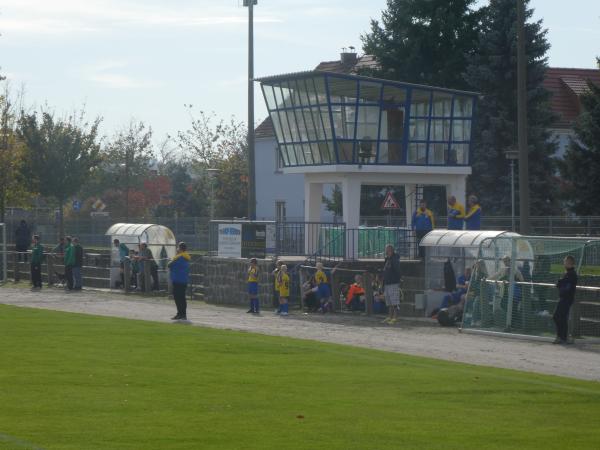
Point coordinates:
pixel 390 202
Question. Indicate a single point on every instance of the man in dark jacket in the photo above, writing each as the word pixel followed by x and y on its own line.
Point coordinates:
pixel 566 291
pixel 391 283
pixel 69 258
pixel 78 264
pixel 22 240
pixel 179 271
pixel 37 257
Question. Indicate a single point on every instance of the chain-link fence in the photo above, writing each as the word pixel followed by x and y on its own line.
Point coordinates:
pixel 513 287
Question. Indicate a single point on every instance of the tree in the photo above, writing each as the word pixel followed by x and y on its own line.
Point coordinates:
pixel 207 141
pixel 581 164
pixel 61 153
pixel 128 157
pixel 14 190
pixel 424 42
pixel 492 71
pixel 220 145
pixel 335 203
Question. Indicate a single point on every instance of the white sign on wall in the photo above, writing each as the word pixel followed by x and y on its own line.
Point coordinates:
pixel 230 240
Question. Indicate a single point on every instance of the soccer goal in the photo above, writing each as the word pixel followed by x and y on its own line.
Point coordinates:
pixel 513 286
pixel 3 254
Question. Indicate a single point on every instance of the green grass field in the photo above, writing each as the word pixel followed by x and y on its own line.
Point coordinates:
pixel 79 382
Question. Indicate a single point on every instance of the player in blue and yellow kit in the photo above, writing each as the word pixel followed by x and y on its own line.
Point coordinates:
pixel 253 286
pixel 284 290
pixel 456 214
pixel 323 288
pixel 473 215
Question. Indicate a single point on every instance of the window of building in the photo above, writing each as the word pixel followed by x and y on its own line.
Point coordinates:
pixel 280 211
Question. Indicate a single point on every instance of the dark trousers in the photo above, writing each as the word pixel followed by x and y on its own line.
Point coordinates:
pixel 69 277
pixel 561 318
pixel 180 300
pixel 36 275
pixel 420 234
pixel 154 276
pixel 276 300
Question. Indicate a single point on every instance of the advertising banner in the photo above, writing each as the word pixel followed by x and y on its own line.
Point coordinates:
pixel 230 240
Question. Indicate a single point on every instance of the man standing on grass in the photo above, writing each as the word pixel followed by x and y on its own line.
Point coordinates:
pixel 37 257
pixel 566 291
pixel 69 260
pixel 77 265
pixel 179 271
pixel 391 283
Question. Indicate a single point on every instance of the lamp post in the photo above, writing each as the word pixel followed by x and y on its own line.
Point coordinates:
pixel 212 173
pixel 512 156
pixel 251 169
pixel 522 120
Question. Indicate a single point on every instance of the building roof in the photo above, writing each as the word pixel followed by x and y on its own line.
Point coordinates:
pixel 566 85
pixel 265 129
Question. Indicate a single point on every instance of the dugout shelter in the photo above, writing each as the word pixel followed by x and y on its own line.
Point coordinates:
pixel 460 248
pixel 160 240
pixel 521 300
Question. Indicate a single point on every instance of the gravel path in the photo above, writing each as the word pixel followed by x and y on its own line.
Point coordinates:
pixel 409 337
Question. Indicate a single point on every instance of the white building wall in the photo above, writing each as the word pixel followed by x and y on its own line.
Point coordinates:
pixel 272 185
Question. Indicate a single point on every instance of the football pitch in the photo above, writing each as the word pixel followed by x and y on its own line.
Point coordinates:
pixel 70 381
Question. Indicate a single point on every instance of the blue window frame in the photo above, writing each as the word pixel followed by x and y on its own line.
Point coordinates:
pixel 329 118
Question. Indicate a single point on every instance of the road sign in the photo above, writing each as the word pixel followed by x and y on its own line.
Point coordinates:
pixel 99 205
pixel 76 205
pixel 390 202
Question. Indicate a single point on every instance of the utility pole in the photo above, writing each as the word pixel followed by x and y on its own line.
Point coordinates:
pixel 522 120
pixel 251 169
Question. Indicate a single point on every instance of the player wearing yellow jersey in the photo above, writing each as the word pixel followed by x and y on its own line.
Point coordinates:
pixel 275 274
pixel 284 290
pixel 323 288
pixel 253 286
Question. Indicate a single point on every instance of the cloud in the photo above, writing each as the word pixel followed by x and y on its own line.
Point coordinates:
pixel 69 17
pixel 111 74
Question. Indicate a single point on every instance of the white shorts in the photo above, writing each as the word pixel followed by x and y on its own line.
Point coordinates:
pixel 392 294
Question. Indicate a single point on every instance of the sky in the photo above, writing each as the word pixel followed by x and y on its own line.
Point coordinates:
pixel 146 59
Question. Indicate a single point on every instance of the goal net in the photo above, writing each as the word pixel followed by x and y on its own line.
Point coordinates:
pixel 513 286
pixel 3 254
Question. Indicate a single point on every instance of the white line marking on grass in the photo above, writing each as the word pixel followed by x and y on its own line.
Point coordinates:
pixel 21 443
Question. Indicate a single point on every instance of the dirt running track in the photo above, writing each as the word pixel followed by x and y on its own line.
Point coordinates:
pixel 410 337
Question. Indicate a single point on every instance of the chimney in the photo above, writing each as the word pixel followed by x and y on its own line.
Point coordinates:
pixel 348 58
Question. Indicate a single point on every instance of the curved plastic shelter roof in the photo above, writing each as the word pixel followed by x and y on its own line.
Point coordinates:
pixel 462 238
pixel 156 236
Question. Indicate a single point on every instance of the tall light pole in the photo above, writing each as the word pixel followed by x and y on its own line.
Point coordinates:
pixel 512 156
pixel 251 169
pixel 522 120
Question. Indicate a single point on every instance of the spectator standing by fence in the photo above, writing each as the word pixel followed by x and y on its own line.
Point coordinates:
pixel 22 240
pixel 391 283
pixel 146 257
pixel 69 259
pixel 179 271
pixel 456 214
pixel 123 254
pixel 473 216
pixel 37 257
pixel 77 265
pixel 566 286
pixel 284 290
pixel 422 223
